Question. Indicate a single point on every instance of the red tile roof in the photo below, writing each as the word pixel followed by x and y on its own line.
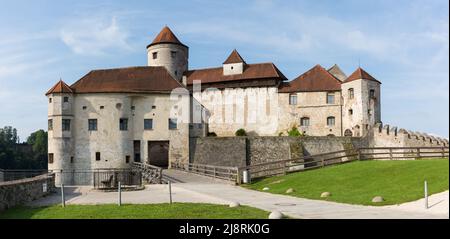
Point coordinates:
pixel 127 80
pixel 234 58
pixel 60 87
pixel 166 36
pixel 315 79
pixel 251 72
pixel 360 74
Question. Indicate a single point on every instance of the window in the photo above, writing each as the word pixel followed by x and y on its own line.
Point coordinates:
pixel 331 121
pixel 148 124
pixel 123 124
pixel 372 94
pixel 50 124
pixel 173 54
pixel 176 73
pixel 369 112
pixel 133 107
pixel 97 156
pixel 155 55
pixel 232 68
pixel 49 100
pixel 304 121
pixel 330 98
pixel 92 124
pixel 153 107
pixel 71 159
pixel 351 93
pixel 350 112
pixel 66 99
pixel 172 123
pixel 84 107
pixel 66 124
pixel 50 158
pixel 102 107
pixel 293 99
pixel 127 159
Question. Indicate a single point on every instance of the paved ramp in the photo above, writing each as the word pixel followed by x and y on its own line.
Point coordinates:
pixel 178 176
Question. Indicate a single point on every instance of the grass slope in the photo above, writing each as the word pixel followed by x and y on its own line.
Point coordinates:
pixel 358 182
pixel 136 211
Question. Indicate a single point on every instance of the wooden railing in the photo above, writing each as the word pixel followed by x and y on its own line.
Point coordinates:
pixel 151 173
pixel 219 172
pixel 280 167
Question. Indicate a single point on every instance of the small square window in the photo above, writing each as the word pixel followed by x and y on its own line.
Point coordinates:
pixel 84 107
pixel 148 124
pixel 50 125
pixel 350 112
pixel 97 156
pixel 50 158
pixel 330 98
pixel 372 94
pixel 127 159
pixel 133 108
pixel 172 124
pixel 123 124
pixel 155 55
pixel 304 121
pixel 173 54
pixel 293 99
pixel 66 99
pixel 71 159
pixel 102 107
pixel 49 100
pixel 153 107
pixel 92 124
pixel 66 124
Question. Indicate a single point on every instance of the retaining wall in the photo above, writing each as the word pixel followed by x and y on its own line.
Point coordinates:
pixel 18 192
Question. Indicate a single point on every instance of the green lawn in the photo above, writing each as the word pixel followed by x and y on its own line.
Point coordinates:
pixel 358 182
pixel 137 211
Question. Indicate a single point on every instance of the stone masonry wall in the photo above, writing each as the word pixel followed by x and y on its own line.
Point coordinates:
pixel 241 151
pixel 18 192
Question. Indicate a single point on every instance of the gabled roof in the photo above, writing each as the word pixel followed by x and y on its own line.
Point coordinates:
pixel 234 58
pixel 60 87
pixel 166 36
pixel 146 79
pixel 337 72
pixel 315 79
pixel 360 74
pixel 251 72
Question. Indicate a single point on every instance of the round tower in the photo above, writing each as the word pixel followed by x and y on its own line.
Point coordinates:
pixel 166 50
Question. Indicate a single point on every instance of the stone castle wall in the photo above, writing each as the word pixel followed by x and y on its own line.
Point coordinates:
pixel 242 151
pixel 18 192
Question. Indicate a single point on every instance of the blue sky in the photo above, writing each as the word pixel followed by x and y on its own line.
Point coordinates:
pixel 404 44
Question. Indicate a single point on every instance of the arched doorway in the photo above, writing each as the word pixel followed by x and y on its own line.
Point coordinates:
pixel 158 153
pixel 348 133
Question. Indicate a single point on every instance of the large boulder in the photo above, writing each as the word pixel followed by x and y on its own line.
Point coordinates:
pixel 325 194
pixel 234 204
pixel 377 199
pixel 276 215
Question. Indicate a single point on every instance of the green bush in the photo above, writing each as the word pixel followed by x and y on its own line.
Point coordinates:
pixel 294 132
pixel 241 132
pixel 212 134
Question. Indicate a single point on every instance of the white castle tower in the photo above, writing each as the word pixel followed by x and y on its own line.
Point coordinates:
pixel 166 50
pixel 60 127
pixel 362 106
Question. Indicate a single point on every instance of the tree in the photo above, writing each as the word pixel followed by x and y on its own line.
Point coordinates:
pixel 241 132
pixel 39 142
pixel 8 139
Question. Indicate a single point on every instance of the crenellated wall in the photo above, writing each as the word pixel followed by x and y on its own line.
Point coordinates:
pixel 392 136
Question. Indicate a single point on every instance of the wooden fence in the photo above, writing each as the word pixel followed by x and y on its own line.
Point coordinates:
pixel 219 172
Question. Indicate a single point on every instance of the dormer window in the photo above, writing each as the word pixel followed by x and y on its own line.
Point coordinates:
pixel 155 55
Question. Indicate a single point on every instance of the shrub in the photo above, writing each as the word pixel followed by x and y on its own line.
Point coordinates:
pixel 294 132
pixel 212 134
pixel 241 132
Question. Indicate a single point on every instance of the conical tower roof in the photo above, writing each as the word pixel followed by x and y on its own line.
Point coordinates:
pixel 166 36
pixel 234 58
pixel 60 87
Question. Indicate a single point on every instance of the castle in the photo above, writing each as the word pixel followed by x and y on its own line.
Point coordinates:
pixel 111 118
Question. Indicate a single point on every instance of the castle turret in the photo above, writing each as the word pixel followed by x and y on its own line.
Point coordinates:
pixel 60 126
pixel 166 50
pixel 362 106
pixel 234 64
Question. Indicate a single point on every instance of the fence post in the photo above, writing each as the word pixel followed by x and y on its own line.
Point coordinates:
pixel 214 172
pixel 170 192
pixel 63 199
pixel 359 154
pixel 238 176
pixel 443 152
pixel 120 194
pixel 390 153
pixel 426 194
pixel 418 153
pixel 323 162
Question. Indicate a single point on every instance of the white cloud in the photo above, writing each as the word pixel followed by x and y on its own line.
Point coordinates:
pixel 95 36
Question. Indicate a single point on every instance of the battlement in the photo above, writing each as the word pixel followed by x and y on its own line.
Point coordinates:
pixel 392 136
